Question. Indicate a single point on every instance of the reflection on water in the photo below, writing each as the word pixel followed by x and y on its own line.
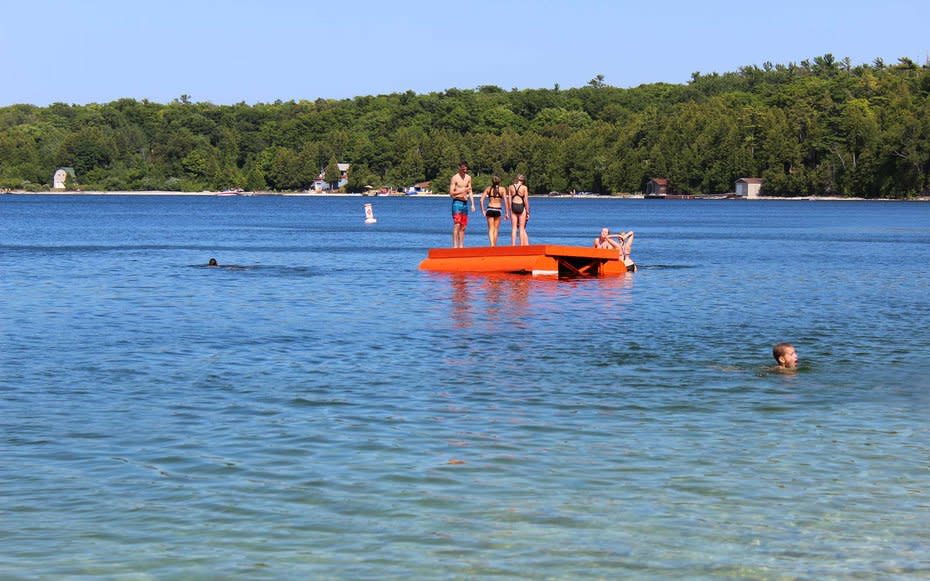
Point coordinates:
pixel 499 298
pixel 460 297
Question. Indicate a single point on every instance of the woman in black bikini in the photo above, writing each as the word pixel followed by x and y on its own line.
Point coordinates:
pixel 495 195
pixel 518 201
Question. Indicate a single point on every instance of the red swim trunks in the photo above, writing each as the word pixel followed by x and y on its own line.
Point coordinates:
pixel 460 212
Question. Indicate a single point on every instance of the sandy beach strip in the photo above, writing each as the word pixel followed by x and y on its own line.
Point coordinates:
pixel 361 195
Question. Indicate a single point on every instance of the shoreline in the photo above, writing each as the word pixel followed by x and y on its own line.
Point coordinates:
pixel 360 195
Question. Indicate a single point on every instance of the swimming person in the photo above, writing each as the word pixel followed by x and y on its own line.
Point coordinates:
pixel 518 205
pixel 623 242
pixel 212 262
pixel 626 245
pixel 605 241
pixel 460 192
pixel 786 355
pixel 495 196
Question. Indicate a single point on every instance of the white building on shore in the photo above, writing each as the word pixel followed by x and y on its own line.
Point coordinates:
pixel 321 185
pixel 748 188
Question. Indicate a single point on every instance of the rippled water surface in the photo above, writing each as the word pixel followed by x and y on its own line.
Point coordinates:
pixel 317 407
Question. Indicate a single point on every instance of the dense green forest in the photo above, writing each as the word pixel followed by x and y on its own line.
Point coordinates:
pixel 820 127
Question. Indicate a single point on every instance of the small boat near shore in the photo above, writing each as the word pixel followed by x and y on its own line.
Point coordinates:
pixel 234 192
pixel 535 259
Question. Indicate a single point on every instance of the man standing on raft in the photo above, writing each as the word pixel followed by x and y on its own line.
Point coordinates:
pixel 459 190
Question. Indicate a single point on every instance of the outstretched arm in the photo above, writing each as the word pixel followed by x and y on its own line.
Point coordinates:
pixel 625 240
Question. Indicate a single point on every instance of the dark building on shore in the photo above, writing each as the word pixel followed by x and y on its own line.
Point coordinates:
pixel 656 188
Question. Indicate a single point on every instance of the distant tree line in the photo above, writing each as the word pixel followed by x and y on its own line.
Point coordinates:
pixel 821 127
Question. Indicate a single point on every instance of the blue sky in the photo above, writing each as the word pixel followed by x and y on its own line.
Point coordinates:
pixel 85 51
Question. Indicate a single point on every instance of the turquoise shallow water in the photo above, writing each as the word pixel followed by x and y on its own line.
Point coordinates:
pixel 319 408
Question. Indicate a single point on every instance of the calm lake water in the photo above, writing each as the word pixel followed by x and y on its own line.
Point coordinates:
pixel 318 408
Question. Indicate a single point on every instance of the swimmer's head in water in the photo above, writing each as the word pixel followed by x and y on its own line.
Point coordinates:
pixel 213 262
pixel 785 355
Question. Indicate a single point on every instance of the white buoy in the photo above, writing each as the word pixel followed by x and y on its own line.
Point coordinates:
pixel 369 215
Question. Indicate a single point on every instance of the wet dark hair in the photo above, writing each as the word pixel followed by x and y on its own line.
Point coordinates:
pixel 495 185
pixel 780 349
pixel 212 262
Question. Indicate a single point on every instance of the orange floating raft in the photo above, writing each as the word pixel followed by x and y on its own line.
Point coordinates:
pixel 537 259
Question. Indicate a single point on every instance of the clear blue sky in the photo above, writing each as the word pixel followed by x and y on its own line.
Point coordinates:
pixel 84 51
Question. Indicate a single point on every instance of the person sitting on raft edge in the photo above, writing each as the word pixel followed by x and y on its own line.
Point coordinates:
pixel 622 242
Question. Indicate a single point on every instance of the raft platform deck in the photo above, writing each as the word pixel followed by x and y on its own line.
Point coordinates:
pixel 536 259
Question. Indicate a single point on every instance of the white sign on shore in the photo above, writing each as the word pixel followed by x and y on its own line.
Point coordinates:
pixel 59 179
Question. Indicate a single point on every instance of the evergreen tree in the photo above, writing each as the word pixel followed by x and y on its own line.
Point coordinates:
pixel 332 175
